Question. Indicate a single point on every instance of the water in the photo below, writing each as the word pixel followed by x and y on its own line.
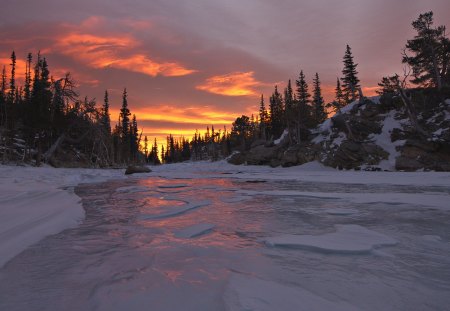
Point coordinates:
pixel 126 255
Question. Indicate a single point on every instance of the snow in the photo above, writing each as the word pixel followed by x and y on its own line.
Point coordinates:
pixel 194 231
pixel 279 140
pixel 249 293
pixel 348 239
pixel 384 141
pixel 326 235
pixel 37 202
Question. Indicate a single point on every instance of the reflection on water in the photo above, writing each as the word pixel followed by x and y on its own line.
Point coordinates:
pixel 119 259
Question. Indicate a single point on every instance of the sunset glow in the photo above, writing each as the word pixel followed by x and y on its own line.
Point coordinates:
pixel 233 84
pixel 189 66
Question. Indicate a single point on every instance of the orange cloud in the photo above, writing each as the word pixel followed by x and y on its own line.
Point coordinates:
pixel 102 52
pixel 232 84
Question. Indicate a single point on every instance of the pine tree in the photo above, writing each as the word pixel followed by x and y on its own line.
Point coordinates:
pixel 263 119
pixel 12 81
pixel 27 88
pixel 319 112
pixel 350 81
pixel 339 100
pixel 289 110
pixel 146 148
pixel 105 117
pixel 276 113
pixel 303 108
pixel 125 116
pixel 431 53
pixel 3 98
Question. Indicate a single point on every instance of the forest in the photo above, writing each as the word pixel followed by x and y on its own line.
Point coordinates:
pixel 46 119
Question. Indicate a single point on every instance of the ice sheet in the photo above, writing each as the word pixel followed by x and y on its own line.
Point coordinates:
pixel 348 239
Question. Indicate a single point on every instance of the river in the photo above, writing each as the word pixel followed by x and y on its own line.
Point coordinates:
pixel 205 244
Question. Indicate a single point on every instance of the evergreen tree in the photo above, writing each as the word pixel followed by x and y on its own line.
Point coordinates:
pixel 27 88
pixel 430 47
pixel 303 108
pixel 289 109
pixel 339 100
pixel 125 127
pixel 276 114
pixel 12 81
pixel 105 117
pixel 3 97
pixel 350 81
pixel 319 112
pixel 146 148
pixel 263 119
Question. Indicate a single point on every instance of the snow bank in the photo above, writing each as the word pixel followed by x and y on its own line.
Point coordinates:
pixel 250 293
pixel 37 202
pixel 348 239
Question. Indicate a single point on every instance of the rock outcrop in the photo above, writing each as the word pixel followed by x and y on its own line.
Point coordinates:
pixel 373 134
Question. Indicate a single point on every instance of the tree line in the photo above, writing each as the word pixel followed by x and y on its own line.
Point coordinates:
pixel 39 117
pixel 297 112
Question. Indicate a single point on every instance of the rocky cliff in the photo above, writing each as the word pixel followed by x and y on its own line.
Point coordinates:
pixel 371 134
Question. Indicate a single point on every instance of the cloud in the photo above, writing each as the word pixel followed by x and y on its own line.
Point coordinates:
pixel 194 116
pixel 114 52
pixel 232 84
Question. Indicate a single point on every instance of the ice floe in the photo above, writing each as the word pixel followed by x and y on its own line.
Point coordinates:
pixel 348 239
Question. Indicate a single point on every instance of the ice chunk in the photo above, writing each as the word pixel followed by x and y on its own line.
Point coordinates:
pixel 172 211
pixel 249 293
pixel 173 186
pixel 351 239
pixel 340 211
pixel 194 231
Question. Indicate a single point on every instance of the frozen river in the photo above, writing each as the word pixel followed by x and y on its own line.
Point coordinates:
pixel 235 244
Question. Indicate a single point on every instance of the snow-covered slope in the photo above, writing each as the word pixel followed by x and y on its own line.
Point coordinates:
pixel 36 202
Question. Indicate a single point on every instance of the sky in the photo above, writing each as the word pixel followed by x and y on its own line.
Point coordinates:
pixel 193 63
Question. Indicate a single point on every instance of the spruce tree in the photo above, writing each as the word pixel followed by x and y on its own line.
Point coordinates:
pixel 430 47
pixel 105 117
pixel 289 109
pixel 339 100
pixel 3 97
pixel 276 113
pixel 263 119
pixel 12 80
pixel 303 108
pixel 350 81
pixel 27 88
pixel 319 113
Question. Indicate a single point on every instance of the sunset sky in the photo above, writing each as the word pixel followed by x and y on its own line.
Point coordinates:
pixel 188 64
